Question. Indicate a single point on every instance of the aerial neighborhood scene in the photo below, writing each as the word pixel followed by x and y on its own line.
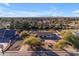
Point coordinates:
pixel 39 29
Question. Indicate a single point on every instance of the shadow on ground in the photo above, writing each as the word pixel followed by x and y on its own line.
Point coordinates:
pixel 40 51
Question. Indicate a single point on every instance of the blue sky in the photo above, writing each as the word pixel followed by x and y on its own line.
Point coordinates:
pixel 39 9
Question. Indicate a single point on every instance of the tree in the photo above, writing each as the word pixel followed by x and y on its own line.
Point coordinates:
pixel 12 24
pixel 18 25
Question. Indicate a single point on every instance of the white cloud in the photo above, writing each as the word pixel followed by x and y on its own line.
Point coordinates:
pixel 5 12
pixel 75 11
pixel 7 4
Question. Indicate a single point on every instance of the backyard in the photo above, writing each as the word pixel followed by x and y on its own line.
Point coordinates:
pixel 40 36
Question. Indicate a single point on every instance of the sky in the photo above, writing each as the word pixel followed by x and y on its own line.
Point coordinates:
pixel 39 9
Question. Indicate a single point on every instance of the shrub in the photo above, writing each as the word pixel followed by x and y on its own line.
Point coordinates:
pixel 60 44
pixel 68 37
pixel 24 34
pixel 62 32
pixel 32 40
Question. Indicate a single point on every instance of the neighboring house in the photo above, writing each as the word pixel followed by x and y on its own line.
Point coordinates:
pixel 4 24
